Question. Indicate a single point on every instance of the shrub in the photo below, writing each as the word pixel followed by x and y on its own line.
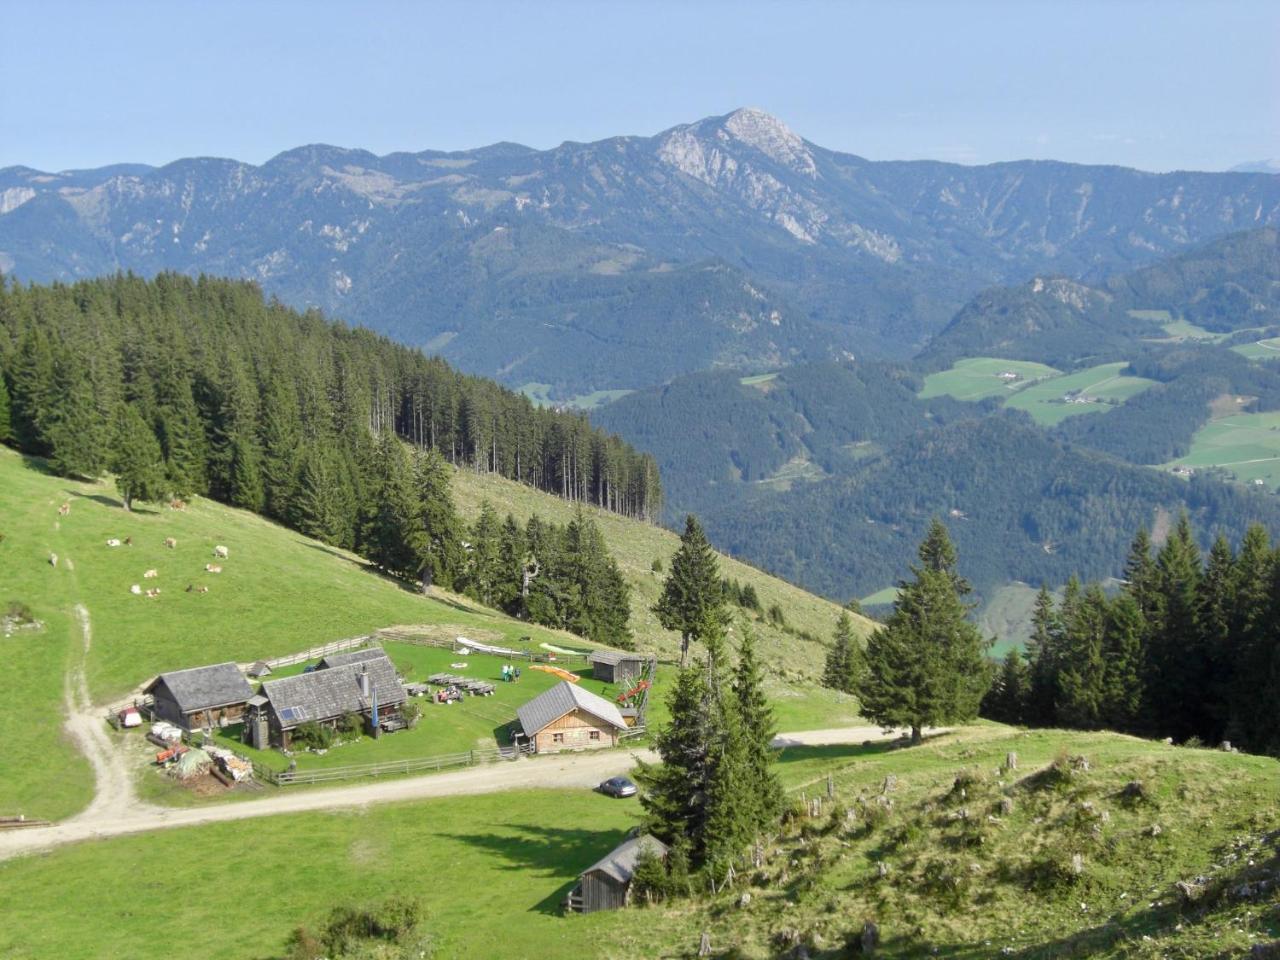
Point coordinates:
pixel 411 713
pixel 776 616
pixel 19 612
pixel 656 566
pixel 314 736
pixel 351 725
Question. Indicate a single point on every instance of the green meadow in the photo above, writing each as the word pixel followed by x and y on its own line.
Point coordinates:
pixel 1247 446
pixel 979 377
pixel 1261 350
pixel 1098 387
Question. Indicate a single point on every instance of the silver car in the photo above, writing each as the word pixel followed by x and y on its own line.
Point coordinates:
pixel 617 787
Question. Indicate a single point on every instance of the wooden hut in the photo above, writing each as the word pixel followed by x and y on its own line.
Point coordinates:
pixel 325 696
pixel 617 666
pixel 259 670
pixel 200 697
pixel 566 717
pixel 607 884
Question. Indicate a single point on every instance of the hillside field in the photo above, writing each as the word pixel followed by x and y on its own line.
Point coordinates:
pixel 979 377
pixel 1261 350
pixel 279 592
pixel 637 545
pixel 491 870
pixel 1098 386
pixel 1246 445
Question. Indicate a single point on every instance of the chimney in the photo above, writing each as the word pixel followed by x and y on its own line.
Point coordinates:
pixel 364 683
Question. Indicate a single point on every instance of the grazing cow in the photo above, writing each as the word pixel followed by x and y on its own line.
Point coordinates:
pixel 170 542
pixel 212 568
pixel 192 588
pixel 128 541
pixel 151 575
pixel 53 559
pixel 64 509
pixel 113 542
pixel 153 593
pixel 136 590
pixel 221 552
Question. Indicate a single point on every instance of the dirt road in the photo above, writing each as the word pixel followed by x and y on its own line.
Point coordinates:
pixel 118 813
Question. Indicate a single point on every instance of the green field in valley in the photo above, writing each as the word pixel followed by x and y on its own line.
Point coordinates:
pixel 491 870
pixel 540 394
pixel 1086 391
pixel 980 377
pixel 1261 350
pixel 1247 446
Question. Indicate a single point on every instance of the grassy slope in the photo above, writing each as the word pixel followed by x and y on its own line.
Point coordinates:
pixel 977 378
pixel 1103 382
pixel 491 870
pixel 279 593
pixel 1247 444
pixel 637 545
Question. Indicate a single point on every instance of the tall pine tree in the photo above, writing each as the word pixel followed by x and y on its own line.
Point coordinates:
pixel 691 602
pixel 138 463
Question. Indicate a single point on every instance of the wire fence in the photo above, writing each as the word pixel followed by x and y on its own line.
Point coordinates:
pixel 359 771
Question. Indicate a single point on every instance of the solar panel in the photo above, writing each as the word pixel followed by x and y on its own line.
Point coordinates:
pixel 290 714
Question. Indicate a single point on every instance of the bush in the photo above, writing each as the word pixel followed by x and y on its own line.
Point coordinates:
pixel 411 713
pixel 656 566
pixel 19 612
pixel 776 616
pixel 351 725
pixel 359 932
pixel 313 736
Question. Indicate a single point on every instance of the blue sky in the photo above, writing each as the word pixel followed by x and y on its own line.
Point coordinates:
pixel 1153 85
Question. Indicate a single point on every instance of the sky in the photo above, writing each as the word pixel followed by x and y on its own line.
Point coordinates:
pixel 1159 86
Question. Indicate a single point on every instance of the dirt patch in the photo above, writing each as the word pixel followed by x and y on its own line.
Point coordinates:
pixel 1228 405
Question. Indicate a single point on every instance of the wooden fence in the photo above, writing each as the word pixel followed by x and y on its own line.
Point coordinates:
pixel 399 636
pixel 358 771
pixel 315 653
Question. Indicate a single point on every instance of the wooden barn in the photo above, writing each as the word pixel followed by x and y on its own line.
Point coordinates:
pixel 201 697
pixel 567 717
pixel 607 884
pixel 617 666
pixel 362 683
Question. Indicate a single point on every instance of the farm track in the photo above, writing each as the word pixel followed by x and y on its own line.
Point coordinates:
pixel 115 810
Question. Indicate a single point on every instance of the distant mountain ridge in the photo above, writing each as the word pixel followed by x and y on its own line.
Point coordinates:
pixel 750 244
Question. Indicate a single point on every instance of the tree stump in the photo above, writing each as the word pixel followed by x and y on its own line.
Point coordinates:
pixel 704 944
pixel 1011 760
pixel 831 786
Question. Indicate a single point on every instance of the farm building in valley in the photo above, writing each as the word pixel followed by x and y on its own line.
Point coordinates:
pixel 617 666
pixel 364 683
pixel 607 884
pixel 567 717
pixel 201 697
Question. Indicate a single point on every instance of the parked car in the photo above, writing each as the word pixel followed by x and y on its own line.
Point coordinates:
pixel 617 787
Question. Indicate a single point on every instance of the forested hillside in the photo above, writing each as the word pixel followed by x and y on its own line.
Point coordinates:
pixel 266 408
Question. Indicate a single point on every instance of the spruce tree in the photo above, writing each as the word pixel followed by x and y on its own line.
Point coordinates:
pixel 316 510
pixel 73 429
pixel 32 388
pixel 1124 655
pixel 1080 682
pixel 281 445
pixel 245 478
pixel 845 664
pixel 442 559
pixel 391 533
pixel 484 559
pixel 926 667
pixel 757 730
pixel 6 428
pixel 1044 655
pixel 1215 612
pixel 691 595
pixel 1251 637
pixel 137 462
pixel 1006 701
pixel 733 811
pixel 1178 665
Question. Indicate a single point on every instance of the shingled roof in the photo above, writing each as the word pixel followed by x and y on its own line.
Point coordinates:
pixel 620 864
pixel 615 656
pixel 353 656
pixel 564 697
pixel 330 693
pixel 204 688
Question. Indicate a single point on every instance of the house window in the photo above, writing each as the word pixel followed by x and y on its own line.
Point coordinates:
pixel 595 734
pixel 557 738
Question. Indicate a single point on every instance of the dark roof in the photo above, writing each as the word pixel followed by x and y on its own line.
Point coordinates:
pixel 620 864
pixel 564 697
pixel 615 656
pixel 260 669
pixel 203 688
pixel 328 694
pixel 353 656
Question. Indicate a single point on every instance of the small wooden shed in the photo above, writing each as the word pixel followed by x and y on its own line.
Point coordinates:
pixel 200 696
pixel 617 666
pixel 566 717
pixel 607 885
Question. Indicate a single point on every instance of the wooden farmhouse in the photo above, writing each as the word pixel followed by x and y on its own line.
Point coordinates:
pixel 201 697
pixel 607 884
pixel 617 666
pixel 567 717
pixel 363 682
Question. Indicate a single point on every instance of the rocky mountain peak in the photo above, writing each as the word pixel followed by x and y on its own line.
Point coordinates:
pixel 772 137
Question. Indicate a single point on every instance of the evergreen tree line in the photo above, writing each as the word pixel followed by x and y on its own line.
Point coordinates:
pixel 715 791
pixel 557 576
pixel 203 386
pixel 1188 648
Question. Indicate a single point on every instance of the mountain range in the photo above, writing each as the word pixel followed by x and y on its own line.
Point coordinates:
pixel 728 242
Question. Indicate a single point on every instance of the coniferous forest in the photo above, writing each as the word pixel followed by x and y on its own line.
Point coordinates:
pixel 1188 648
pixel 183 386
